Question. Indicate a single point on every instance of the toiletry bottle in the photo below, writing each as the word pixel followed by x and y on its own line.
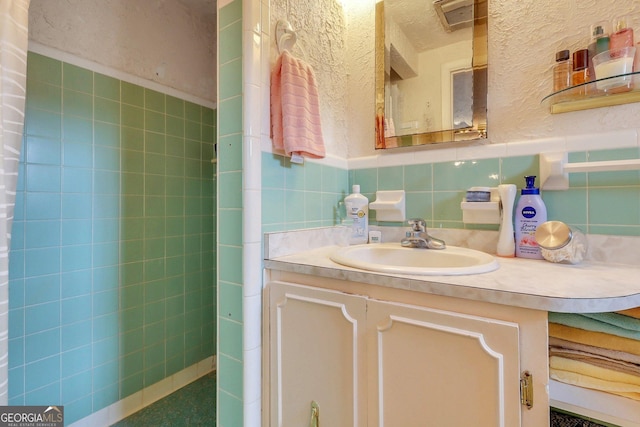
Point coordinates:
pixel 357 207
pixel 580 70
pixel 530 213
pixel 622 34
pixel 506 245
pixel 562 71
pixel 599 43
pixel 599 37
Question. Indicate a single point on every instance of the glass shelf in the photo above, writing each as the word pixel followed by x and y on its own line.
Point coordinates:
pixel 614 90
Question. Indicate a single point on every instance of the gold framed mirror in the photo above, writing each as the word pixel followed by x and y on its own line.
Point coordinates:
pixel 431 72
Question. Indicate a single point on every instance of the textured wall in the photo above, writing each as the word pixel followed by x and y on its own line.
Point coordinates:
pixel 523 39
pixel 321 30
pixel 163 40
pixel 522 45
pixel 360 65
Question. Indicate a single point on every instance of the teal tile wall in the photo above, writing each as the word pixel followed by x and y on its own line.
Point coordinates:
pixel 298 196
pixel 112 264
pixel 295 196
pixel 230 262
pixel 597 202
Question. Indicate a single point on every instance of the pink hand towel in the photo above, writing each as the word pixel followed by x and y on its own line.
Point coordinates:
pixel 295 110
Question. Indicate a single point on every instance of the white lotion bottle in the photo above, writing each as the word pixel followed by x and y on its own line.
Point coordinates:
pixel 357 207
pixel 506 243
pixel 531 212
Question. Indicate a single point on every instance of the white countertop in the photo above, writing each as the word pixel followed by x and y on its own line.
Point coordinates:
pixel 537 284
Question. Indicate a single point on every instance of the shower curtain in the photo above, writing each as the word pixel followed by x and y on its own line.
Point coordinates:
pixel 14 19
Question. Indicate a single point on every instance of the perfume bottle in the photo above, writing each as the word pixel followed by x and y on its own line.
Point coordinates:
pixel 622 34
pixel 599 43
pixel 562 71
pixel 580 72
pixel 599 37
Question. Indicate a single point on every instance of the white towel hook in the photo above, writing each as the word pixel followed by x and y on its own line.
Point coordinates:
pixel 285 36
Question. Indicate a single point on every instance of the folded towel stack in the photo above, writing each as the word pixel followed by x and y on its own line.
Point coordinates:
pixel 600 351
pixel 295 108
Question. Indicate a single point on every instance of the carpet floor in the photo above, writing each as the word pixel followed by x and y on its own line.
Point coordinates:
pixel 192 405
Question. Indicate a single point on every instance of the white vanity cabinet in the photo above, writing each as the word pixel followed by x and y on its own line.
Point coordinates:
pixel 433 367
pixel 372 356
pixel 317 350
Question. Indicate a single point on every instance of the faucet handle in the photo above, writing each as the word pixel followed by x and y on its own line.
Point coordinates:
pixel 418 224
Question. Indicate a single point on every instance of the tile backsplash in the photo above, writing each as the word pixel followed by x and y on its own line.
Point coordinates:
pixel 300 196
pixel 596 202
pixel 606 203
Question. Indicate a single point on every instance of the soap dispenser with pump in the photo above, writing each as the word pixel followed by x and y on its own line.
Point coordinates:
pixel 530 213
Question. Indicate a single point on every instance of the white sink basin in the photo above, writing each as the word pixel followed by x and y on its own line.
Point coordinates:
pixel 393 258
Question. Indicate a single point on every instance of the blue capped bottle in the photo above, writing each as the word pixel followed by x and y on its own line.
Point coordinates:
pixel 530 213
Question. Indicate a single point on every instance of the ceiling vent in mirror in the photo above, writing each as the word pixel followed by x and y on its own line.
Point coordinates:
pixel 454 14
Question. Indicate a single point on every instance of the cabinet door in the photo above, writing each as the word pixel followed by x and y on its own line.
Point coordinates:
pixel 317 354
pixel 438 368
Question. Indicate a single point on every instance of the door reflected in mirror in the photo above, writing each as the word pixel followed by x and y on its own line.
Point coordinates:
pixel 431 79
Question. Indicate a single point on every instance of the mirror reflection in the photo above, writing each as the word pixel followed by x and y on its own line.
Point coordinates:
pixel 431 71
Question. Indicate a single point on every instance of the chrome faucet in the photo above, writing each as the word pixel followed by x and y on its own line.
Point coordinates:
pixel 419 238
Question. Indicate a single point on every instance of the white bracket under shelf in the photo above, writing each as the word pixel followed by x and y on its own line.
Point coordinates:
pixel 555 169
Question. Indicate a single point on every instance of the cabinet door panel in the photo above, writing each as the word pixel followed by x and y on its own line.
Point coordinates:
pixel 317 355
pixel 437 368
